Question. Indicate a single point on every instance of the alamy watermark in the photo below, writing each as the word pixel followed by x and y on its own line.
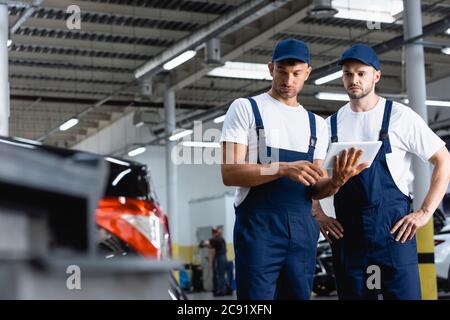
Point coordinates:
pixel 257 149
pixel 73 22
pixel 373 281
pixel 73 281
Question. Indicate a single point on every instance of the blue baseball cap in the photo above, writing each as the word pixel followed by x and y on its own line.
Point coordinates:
pixel 362 53
pixel 291 49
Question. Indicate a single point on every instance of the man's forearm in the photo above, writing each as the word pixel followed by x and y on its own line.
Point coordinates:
pixel 438 187
pixel 317 208
pixel 251 175
pixel 324 189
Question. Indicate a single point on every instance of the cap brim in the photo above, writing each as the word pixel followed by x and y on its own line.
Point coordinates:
pixel 341 62
pixel 289 57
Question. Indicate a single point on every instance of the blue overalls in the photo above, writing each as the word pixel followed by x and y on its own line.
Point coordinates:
pixel 368 206
pixel 275 234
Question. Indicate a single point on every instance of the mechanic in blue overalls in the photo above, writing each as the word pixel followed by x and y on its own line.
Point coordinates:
pixel 373 208
pixel 272 151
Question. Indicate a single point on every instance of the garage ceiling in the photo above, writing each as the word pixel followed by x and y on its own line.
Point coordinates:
pixel 56 73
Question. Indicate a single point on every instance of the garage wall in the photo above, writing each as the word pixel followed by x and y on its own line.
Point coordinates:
pixel 115 137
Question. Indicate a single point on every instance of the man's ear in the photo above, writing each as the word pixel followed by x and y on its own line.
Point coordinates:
pixel 271 66
pixel 377 75
pixel 308 72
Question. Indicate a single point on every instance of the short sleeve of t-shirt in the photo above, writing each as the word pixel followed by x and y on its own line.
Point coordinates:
pixel 238 121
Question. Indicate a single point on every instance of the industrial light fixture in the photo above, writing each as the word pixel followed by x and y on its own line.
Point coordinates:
pixel 69 124
pixel 437 103
pixel 200 144
pixel 242 70
pixel 182 58
pixel 446 50
pixel 18 144
pixel 120 176
pixel 28 141
pixel 178 134
pixel 220 119
pixel 322 9
pixel 117 161
pixel 332 96
pixel 328 78
pixel 432 103
pixel 367 10
pixel 136 151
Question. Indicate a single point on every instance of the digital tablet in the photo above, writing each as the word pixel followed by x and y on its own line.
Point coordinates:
pixel 370 150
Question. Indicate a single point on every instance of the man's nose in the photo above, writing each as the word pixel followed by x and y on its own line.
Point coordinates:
pixel 355 80
pixel 289 79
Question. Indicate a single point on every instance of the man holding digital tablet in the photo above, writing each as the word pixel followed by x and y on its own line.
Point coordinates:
pixel 374 225
pixel 275 233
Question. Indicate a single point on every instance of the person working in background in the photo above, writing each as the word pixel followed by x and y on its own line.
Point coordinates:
pixel 218 261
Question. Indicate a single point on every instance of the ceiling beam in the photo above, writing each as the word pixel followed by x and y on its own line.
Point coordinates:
pixel 269 26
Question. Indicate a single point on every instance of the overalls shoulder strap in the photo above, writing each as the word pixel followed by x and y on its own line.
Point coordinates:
pixel 313 137
pixel 259 127
pixel 333 120
pixel 384 132
pixel 257 115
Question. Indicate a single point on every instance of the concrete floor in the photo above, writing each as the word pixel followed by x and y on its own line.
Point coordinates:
pixel 209 296
pixel 333 296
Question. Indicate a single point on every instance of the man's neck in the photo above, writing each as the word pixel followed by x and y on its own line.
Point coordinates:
pixel 364 104
pixel 291 102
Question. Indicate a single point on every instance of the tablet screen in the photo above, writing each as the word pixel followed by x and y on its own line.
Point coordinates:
pixel 370 150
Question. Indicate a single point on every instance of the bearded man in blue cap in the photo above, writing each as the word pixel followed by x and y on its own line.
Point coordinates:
pixel 275 234
pixel 375 226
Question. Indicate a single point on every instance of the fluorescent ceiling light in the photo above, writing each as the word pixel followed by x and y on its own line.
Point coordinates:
pixel 136 151
pixel 432 103
pixel 447 31
pixel 180 134
pixel 38 143
pixel 242 70
pixel 446 50
pixel 17 144
pixel 120 176
pixel 332 96
pixel 117 161
pixel 139 124
pixel 69 124
pixel 344 97
pixel 9 43
pixel 437 103
pixel 220 119
pixel 328 78
pixel 182 58
pixel 368 10
pixel 201 144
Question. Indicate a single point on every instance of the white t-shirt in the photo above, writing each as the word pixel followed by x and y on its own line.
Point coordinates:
pixel 285 127
pixel 408 135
